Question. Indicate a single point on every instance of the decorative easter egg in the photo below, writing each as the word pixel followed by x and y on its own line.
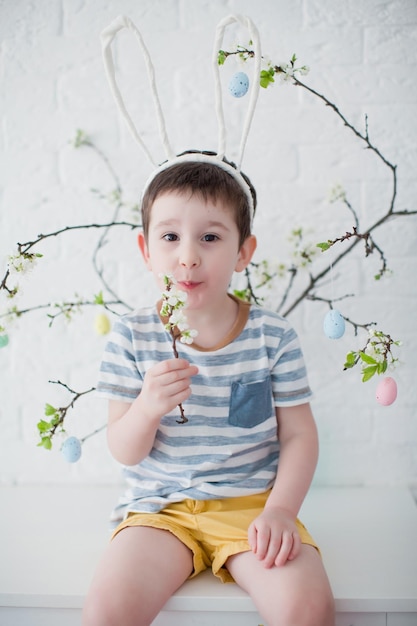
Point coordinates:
pixel 71 449
pixel 239 84
pixel 102 324
pixel 4 340
pixel 333 324
pixel 386 391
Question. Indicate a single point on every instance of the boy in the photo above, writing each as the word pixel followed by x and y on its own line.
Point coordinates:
pixel 224 489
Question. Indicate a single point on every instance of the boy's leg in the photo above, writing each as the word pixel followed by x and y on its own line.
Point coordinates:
pixel 140 570
pixel 297 594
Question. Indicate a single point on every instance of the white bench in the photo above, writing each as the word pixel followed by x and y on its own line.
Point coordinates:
pixel 51 539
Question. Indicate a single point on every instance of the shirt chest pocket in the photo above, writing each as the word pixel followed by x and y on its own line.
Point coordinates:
pixel 250 403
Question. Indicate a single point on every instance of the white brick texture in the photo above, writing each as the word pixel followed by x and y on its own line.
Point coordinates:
pixel 363 58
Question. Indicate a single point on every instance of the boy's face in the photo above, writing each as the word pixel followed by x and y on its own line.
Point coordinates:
pixel 197 242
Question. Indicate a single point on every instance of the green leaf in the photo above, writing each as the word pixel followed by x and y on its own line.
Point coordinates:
pixel 98 299
pixel 49 409
pixel 45 443
pixel 242 294
pixel 350 360
pixel 367 359
pixel 80 138
pixel 368 372
pixel 325 245
pixel 55 420
pixel 351 357
pixel 382 367
pixel 221 57
pixel 43 426
pixel 267 77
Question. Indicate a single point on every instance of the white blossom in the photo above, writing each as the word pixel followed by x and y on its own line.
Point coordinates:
pixel 337 192
pixel 374 351
pixel 187 336
pixel 283 65
pixel 178 319
pixel 287 74
pixel 266 63
pixel 174 301
pixel 22 263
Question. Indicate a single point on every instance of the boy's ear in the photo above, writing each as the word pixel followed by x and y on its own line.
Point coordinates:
pixel 246 251
pixel 144 250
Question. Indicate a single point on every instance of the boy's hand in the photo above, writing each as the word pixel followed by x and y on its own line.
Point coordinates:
pixel 274 538
pixel 166 385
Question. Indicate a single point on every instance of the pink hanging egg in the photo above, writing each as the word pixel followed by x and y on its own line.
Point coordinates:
pixel 386 391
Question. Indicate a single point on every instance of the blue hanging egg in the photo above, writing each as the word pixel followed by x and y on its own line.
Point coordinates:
pixel 4 340
pixel 239 84
pixel 71 449
pixel 333 325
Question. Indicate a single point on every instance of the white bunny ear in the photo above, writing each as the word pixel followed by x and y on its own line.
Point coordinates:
pixel 247 23
pixel 218 159
pixel 107 36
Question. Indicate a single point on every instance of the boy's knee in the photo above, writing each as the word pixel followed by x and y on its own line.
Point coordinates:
pixel 100 610
pixel 300 607
pixel 92 613
pixel 310 609
pixel 103 608
pixel 96 611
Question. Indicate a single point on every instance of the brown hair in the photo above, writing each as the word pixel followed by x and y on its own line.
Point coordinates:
pixel 207 180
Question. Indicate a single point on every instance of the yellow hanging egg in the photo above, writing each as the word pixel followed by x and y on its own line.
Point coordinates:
pixel 102 324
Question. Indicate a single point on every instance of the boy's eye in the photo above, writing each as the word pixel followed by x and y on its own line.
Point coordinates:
pixel 210 237
pixel 170 237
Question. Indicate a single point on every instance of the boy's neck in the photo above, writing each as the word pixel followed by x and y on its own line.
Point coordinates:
pixel 214 326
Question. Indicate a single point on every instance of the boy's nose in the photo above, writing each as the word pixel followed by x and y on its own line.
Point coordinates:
pixel 189 256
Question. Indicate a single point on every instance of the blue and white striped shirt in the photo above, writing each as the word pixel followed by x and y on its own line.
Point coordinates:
pixel 229 446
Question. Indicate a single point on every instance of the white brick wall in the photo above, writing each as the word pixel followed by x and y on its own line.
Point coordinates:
pixel 363 57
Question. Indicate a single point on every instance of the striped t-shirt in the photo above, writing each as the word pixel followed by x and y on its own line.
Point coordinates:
pixel 229 446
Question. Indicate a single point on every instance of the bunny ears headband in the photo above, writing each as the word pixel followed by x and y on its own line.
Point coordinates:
pixel 121 22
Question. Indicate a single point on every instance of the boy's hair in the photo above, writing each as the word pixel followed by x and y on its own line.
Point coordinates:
pixel 207 180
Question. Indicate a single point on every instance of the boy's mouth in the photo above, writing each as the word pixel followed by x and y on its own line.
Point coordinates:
pixel 188 284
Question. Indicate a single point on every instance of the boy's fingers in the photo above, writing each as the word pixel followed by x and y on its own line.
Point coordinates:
pixel 177 368
pixel 285 550
pixel 252 538
pixel 172 364
pixel 296 547
pixel 263 538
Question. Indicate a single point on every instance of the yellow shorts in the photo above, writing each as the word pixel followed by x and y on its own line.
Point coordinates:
pixel 212 529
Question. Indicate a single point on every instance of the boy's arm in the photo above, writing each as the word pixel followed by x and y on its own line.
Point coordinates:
pixel 132 427
pixel 297 434
pixel 129 436
pixel 273 535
